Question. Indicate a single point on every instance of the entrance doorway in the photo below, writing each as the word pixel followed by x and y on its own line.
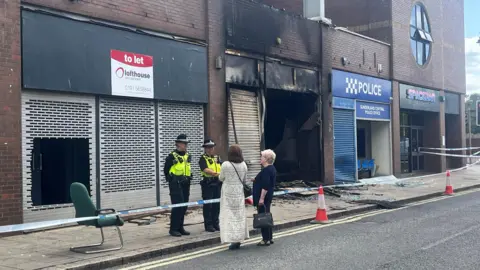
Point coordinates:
pixel 56 164
pixel 411 141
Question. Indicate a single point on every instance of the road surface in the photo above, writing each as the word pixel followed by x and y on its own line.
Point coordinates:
pixel 440 234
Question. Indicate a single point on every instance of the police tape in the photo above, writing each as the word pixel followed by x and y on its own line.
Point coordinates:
pixel 59 222
pixel 451 155
pixel 450 149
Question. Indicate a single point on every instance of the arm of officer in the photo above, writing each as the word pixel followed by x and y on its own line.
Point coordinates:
pixel 168 165
pixel 204 167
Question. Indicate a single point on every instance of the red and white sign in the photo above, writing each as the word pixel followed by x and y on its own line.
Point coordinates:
pixel 132 74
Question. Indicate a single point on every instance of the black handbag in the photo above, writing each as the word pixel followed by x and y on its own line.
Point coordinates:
pixel 247 191
pixel 262 220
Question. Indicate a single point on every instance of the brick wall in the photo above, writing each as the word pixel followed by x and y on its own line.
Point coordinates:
pixel 181 17
pixel 446 69
pixel 10 111
pixel 363 54
pixel 292 6
pixel 251 26
pixel 216 117
pixel 368 17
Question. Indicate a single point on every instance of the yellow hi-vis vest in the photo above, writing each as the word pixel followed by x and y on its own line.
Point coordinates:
pixel 212 163
pixel 181 166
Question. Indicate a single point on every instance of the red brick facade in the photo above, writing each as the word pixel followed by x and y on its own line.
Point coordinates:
pixel 10 113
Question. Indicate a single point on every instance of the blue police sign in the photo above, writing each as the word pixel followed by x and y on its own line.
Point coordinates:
pixel 372 111
pixel 355 86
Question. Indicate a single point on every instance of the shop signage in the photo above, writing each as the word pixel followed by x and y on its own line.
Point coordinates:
pixel 132 74
pixel 355 86
pixel 343 103
pixel 372 111
pixel 420 95
pixel 418 98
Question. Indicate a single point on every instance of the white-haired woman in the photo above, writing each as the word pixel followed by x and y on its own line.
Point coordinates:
pixel 263 186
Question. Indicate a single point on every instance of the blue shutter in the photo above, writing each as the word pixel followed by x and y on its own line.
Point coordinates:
pixel 344 145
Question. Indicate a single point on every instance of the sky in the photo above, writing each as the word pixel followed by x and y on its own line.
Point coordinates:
pixel 472 48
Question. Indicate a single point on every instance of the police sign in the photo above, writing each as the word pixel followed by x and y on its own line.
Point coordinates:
pixel 361 87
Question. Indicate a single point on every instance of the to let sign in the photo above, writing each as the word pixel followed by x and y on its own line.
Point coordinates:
pixel 132 74
pixel 355 86
pixel 372 111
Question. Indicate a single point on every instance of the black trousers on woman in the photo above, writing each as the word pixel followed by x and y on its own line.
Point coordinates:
pixel 267 233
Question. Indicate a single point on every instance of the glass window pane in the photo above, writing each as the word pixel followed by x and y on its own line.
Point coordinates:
pixel 421 163
pixel 426 27
pixel 427 51
pixel 413 16
pixel 412 31
pixel 415 163
pixel 420 53
pixel 418 16
pixel 413 44
pixel 422 35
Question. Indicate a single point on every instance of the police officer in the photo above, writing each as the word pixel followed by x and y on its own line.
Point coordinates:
pixel 211 186
pixel 177 172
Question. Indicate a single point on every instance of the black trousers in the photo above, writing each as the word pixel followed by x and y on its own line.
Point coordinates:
pixel 267 233
pixel 211 189
pixel 179 193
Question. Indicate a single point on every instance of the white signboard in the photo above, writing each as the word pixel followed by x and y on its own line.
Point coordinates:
pixel 132 74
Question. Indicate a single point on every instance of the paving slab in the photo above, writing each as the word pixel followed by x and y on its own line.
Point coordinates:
pixel 50 249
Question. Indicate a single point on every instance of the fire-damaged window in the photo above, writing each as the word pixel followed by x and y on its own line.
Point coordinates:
pixel 56 164
pixel 291 130
pixel 420 34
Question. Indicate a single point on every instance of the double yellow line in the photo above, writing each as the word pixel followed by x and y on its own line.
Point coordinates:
pixel 217 249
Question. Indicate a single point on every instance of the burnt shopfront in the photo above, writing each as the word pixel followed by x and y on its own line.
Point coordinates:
pixel 102 105
pixel 281 115
pixel 419 127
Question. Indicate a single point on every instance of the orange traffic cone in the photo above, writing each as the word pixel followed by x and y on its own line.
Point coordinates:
pixel 449 187
pixel 321 217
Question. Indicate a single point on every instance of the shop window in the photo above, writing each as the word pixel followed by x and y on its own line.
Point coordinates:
pixel 404 119
pixel 56 164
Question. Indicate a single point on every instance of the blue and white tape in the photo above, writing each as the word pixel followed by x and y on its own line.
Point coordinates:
pixel 449 149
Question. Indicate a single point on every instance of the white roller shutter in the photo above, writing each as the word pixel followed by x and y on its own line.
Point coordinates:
pixel 54 115
pixel 127 153
pixel 247 125
pixel 174 119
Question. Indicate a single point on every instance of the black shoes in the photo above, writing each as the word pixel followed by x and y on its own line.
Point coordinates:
pixel 234 246
pixel 216 227
pixel 210 229
pixel 183 232
pixel 175 233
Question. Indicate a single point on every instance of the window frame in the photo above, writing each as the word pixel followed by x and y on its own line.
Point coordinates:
pixel 420 34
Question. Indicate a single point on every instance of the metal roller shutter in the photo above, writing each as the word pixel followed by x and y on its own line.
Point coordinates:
pixel 344 145
pixel 127 153
pixel 54 115
pixel 246 116
pixel 174 119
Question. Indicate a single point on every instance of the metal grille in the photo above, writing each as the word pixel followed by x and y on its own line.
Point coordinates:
pixel 344 145
pixel 127 153
pixel 247 126
pixel 174 119
pixel 48 115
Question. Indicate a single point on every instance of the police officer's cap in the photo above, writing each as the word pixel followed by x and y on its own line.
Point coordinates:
pixel 208 143
pixel 182 138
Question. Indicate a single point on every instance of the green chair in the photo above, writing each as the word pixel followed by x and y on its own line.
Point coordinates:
pixel 84 207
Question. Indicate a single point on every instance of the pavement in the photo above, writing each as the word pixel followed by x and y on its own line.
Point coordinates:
pixel 50 249
pixel 444 234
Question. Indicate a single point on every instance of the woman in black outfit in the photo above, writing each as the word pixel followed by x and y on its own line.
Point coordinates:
pixel 263 186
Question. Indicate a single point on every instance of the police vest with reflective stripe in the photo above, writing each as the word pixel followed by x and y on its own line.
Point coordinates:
pixel 212 164
pixel 181 165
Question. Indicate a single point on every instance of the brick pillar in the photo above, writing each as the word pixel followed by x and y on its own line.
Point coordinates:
pixel 442 143
pixel 216 117
pixel 395 110
pixel 463 133
pixel 327 127
pixel 10 115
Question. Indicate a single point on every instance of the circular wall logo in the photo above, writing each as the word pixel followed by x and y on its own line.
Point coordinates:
pixel 120 72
